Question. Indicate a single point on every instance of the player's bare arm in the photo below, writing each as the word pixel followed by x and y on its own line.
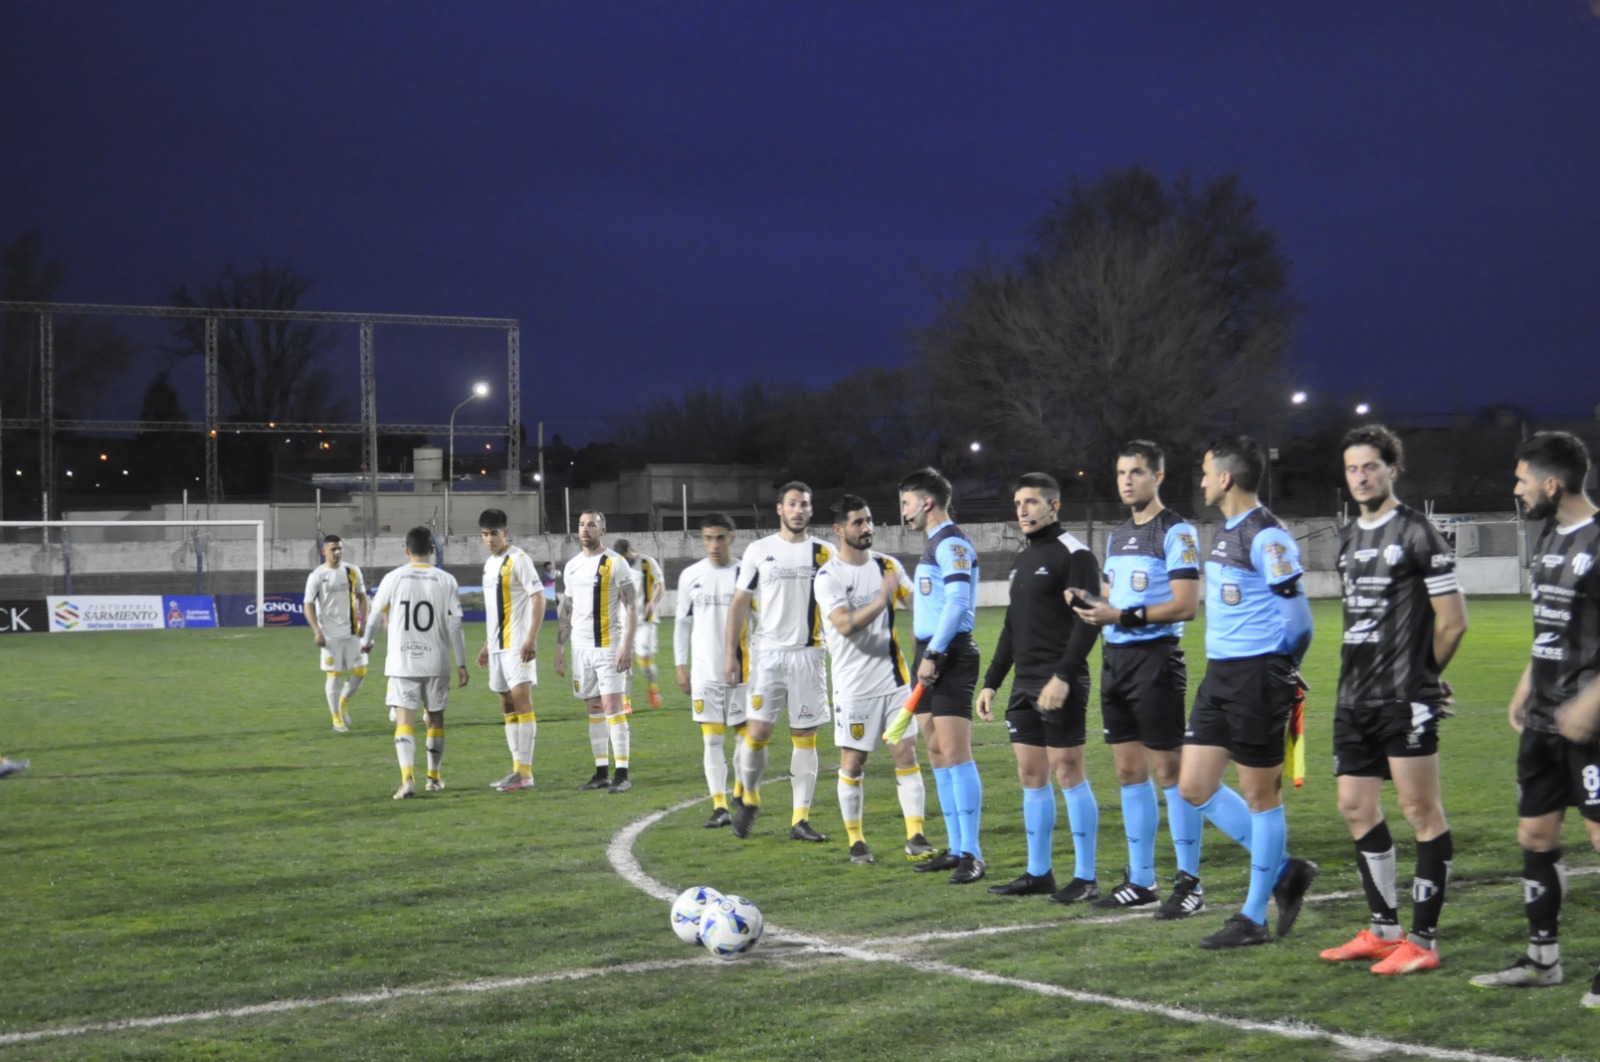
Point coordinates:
pixel 1518 710
pixel 316 627
pixel 483 656
pixel 461 675
pixel 984 705
pixel 738 615
pixel 563 633
pixel 629 625
pixel 848 621
pixel 1579 718
pixel 1449 626
pixel 530 645
pixel 683 678
pixel 1053 696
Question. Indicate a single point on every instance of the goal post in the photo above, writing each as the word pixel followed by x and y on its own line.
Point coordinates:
pixel 67 526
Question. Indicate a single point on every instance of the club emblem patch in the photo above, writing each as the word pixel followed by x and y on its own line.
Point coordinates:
pixel 1231 594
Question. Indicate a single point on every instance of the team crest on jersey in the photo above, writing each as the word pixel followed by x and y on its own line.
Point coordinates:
pixel 961 564
pixel 858 731
pixel 1231 594
pixel 1275 549
pixel 1581 563
pixel 699 706
pixel 1392 553
pixel 575 686
pixel 1190 556
pixel 1139 581
pixel 1186 541
pixel 1282 568
pixel 755 702
pixel 925 586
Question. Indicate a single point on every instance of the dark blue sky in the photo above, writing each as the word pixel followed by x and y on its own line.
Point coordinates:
pixel 675 193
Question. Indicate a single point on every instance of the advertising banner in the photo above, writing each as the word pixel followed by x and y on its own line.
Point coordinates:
pixel 23 617
pixel 189 610
pixel 239 610
pixel 80 613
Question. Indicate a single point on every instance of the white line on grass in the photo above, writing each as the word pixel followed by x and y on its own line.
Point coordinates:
pixel 620 853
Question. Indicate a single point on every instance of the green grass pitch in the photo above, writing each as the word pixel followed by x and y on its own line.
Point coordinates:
pixel 193 837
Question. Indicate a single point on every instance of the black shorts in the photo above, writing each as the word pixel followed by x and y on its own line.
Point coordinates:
pixel 1554 774
pixel 1142 689
pixel 1244 706
pixel 1367 737
pixel 958 678
pixel 1066 728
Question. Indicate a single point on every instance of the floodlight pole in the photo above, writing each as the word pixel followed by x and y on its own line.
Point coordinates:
pixel 478 391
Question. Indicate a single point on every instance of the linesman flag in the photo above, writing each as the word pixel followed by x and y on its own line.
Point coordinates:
pixel 902 719
pixel 1294 759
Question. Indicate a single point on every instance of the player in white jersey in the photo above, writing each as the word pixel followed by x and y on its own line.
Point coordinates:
pixel 513 608
pixel 705 591
pixel 598 616
pixel 336 610
pixel 422 605
pixel 787 663
pixel 649 586
pixel 858 590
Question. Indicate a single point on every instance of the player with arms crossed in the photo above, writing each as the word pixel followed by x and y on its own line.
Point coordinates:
pixel 787 668
pixel 1047 715
pixel 1151 585
pixel 598 615
pixel 423 609
pixel 648 588
pixel 336 610
pixel 1556 707
pixel 1404 617
pixel 858 590
pixel 944 611
pixel 705 592
pixel 1258 627
pixel 513 605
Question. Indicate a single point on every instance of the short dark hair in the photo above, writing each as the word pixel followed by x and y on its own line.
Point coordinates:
pixel 793 484
pixel 1043 482
pixel 1380 438
pixel 1154 459
pixel 1240 456
pixel 328 540
pixel 621 546
pixel 847 504
pixel 492 520
pixel 930 482
pixel 722 520
pixel 1557 453
pixel 419 542
pixel 596 513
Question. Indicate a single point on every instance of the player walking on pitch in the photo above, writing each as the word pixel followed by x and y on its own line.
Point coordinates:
pixel 648 588
pixel 1404 617
pixel 857 590
pixel 1047 715
pixel 1151 585
pixel 944 611
pixel 336 611
pixel 422 606
pixel 1556 707
pixel 597 615
pixel 1258 627
pixel 513 604
pixel 705 593
pixel 786 671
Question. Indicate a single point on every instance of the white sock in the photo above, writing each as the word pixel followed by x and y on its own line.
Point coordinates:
pixel 913 793
pixel 330 691
pixel 851 799
pixel 715 765
pixel 527 735
pixel 755 765
pixel 599 741
pixel 803 775
pixel 620 740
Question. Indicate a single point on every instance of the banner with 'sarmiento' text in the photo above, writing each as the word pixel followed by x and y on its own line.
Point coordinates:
pixel 76 614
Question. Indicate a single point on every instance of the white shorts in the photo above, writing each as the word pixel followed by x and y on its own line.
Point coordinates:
pixel 431 693
pixel 507 670
pixel 644 639
pixel 715 702
pixel 595 674
pixel 859 724
pixel 341 653
pixel 789 678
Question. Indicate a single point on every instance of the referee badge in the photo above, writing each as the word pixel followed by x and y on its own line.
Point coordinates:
pixel 1231 594
pixel 858 731
pixel 924 586
pixel 1140 581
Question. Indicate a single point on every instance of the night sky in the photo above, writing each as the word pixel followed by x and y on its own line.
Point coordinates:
pixel 676 194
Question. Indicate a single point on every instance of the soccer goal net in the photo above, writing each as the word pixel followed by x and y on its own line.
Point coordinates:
pixel 89 575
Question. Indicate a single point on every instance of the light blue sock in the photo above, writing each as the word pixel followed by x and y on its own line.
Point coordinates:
pixel 1039 819
pixel 1229 813
pixel 1141 815
pixel 945 784
pixel 1185 823
pixel 1083 816
pixel 969 806
pixel 1268 831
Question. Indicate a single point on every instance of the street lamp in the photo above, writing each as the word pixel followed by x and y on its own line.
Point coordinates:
pixel 1362 409
pixel 479 390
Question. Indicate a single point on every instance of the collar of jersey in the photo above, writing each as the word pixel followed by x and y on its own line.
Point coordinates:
pixel 1379 522
pixel 1231 524
pixel 935 530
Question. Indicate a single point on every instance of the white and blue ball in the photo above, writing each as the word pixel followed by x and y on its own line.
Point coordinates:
pixel 731 927
pixel 687 909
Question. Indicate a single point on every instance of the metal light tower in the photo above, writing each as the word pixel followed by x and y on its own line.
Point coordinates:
pixel 479 390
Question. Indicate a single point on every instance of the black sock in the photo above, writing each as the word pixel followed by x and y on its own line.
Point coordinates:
pixel 1427 888
pixel 1543 882
pixel 1375 861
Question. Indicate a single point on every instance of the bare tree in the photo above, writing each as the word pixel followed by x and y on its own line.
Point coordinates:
pixel 1141 310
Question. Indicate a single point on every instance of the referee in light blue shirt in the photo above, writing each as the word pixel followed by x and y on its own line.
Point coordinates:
pixel 1258 627
pixel 944 610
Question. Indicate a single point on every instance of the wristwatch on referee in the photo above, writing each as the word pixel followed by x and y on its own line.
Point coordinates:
pixel 936 659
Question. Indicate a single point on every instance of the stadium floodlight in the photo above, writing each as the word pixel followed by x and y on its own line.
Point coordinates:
pixel 976 446
pixel 479 390
pixel 1362 409
pixel 1298 398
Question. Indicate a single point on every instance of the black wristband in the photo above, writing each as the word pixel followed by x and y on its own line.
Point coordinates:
pixel 1133 617
pixel 937 659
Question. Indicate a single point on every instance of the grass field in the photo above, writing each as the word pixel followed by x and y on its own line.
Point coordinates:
pixel 193 838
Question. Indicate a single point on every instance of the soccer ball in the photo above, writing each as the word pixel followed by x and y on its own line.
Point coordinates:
pixel 731 927
pixel 686 911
